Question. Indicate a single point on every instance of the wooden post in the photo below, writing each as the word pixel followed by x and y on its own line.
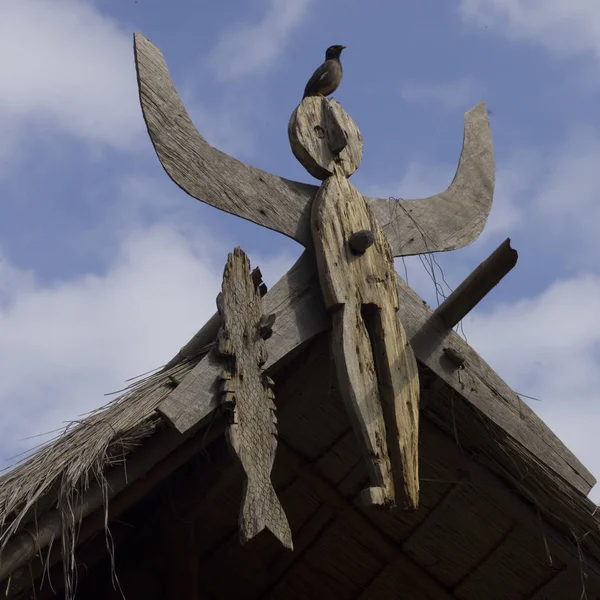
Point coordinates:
pixel 376 367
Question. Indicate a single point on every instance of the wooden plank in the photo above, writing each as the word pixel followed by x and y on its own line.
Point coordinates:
pixel 502 575
pixel 324 138
pixel 446 221
pixel 296 300
pixel 479 283
pixel 482 388
pixel 567 582
pixel 456 217
pixel 395 582
pixel 456 534
pixel 496 493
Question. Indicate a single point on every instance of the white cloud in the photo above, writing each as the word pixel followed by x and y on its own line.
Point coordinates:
pixel 66 65
pixel 459 94
pixel 247 48
pixel 569 198
pixel 566 28
pixel 66 344
pixel 548 347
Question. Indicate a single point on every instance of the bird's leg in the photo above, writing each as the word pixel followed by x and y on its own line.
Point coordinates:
pixel 357 378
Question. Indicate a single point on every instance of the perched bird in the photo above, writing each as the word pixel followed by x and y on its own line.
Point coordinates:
pixel 327 77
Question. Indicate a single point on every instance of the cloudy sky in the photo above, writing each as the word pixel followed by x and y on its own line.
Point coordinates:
pixel 107 268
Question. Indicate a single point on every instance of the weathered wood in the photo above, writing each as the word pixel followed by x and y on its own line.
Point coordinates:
pixel 297 304
pixel 376 367
pixel 478 284
pixel 324 138
pixel 454 356
pixel 447 221
pixel 566 583
pixel 181 573
pixel 494 491
pixel 248 390
pixel 297 301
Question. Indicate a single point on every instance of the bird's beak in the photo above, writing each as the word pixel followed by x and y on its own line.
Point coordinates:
pixel 343 47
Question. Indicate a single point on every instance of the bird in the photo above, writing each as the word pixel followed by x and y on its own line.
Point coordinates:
pixel 326 79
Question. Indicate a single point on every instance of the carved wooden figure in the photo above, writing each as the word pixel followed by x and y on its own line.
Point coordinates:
pixel 247 390
pixel 355 238
pixel 375 364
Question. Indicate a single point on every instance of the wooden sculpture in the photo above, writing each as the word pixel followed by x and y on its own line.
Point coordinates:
pixel 247 391
pixel 351 241
pixel 375 364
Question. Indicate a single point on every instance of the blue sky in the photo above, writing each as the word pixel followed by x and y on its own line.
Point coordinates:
pixel 107 268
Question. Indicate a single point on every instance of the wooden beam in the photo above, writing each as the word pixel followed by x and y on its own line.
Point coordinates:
pixel 446 221
pixel 376 367
pixel 508 500
pixel 477 285
pixel 182 572
pixel 562 585
pixel 432 519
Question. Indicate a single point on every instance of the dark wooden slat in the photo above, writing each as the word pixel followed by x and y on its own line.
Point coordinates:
pixel 370 535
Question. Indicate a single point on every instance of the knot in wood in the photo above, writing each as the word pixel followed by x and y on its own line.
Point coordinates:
pixel 324 138
pixel 360 241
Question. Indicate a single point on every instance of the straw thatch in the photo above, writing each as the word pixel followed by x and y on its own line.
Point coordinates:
pixel 59 473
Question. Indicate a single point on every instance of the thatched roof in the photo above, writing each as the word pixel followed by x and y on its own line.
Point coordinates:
pixel 495 520
pixel 57 475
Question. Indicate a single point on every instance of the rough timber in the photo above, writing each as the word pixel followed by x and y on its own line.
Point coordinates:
pixel 375 364
pixel 248 393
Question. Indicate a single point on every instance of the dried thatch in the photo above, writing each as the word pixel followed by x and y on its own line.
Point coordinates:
pixel 59 473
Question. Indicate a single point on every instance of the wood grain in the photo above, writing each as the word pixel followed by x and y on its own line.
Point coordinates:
pixel 247 390
pixel 375 364
pixel 324 138
pixel 297 303
pixel 446 221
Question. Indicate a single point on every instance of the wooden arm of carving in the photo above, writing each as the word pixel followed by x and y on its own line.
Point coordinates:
pixel 446 221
